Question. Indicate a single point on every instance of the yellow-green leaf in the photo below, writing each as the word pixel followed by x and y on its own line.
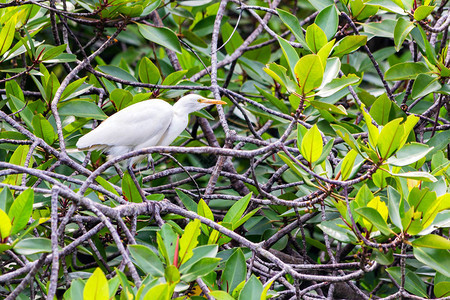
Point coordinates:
pixel 96 287
pixel 312 145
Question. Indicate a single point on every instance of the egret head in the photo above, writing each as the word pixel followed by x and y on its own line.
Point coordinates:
pixel 193 102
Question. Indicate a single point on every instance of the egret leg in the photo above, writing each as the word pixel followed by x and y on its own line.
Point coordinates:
pixel 150 162
pixel 136 182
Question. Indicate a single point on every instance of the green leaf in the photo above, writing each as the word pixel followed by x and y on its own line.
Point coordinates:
pixel 129 189
pixel 189 240
pixel 279 103
pixel 380 110
pixel 160 292
pixel 437 259
pixel 390 137
pixel 25 112
pixel 236 211
pixel 121 98
pixel 409 154
pixel 432 241
pixel 51 52
pixel 17 158
pixel 5 225
pixel 117 72
pixel 312 145
pixel 235 271
pixel 174 77
pixel 347 164
pixel 147 260
pixel 289 53
pixel 405 71
pixel 201 268
pixel 71 89
pixel 7 34
pixel 204 211
pixel 97 286
pixel 401 31
pixel 347 137
pixel 395 207
pixel 221 295
pixel 172 275
pixel 252 289
pixel 148 72
pixel 424 176
pixel 315 37
pixel 294 26
pixel 424 85
pixel 349 44
pixel 20 211
pixel 33 245
pixel 309 73
pixel 337 84
pixel 328 20
pixel 161 35
pixel 43 129
pixel 337 230
pixel 232 43
pixel 106 185
pixel 278 73
pixel 82 109
pixel 187 201
pixel 413 283
pixel 199 253
pixel 374 217
pixel 423 11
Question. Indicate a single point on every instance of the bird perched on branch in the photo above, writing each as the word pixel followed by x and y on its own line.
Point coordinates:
pixel 148 123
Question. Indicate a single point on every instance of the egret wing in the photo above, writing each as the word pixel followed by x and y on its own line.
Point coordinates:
pixel 142 122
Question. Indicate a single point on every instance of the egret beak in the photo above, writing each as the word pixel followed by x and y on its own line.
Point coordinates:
pixel 211 101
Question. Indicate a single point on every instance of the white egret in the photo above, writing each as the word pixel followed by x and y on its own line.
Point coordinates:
pixel 144 124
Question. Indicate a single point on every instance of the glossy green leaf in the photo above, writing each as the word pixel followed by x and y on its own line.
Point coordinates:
pixel 349 44
pixel 97 286
pixel 279 103
pixel 221 295
pixel 252 289
pixel 7 35
pixel 160 35
pixel 278 73
pixel 315 37
pixel 33 245
pixel 82 109
pixel 235 271
pixel 413 283
pixel 172 275
pixel 437 259
pixel 148 72
pixel 129 189
pixel 160 292
pixel 236 211
pixel 328 20
pixel 5 225
pixel 187 201
pixel 432 241
pixel 389 138
pixel 374 217
pixel 189 240
pixel 117 72
pixel 309 73
pixel 73 89
pixel 20 211
pixel 17 158
pixel 405 71
pixel 347 164
pixel 409 154
pixel 51 52
pixel 337 84
pixel 146 260
pixel 424 176
pixel 232 38
pixel 201 268
pixel 121 98
pixel 423 11
pixel 401 32
pixel 43 129
pixel 395 207
pixel 289 53
pixel 199 253
pixel 312 145
pixel 424 85
pixel 294 26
